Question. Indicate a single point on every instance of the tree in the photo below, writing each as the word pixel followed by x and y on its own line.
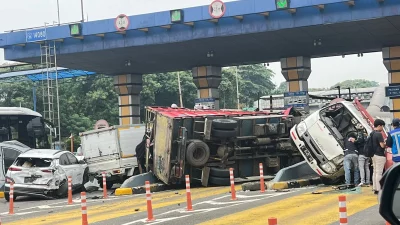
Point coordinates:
pixel 254 80
pixel 281 88
pixel 162 89
pixel 356 83
pixel 84 100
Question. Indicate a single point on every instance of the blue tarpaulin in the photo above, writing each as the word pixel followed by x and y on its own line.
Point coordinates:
pixel 41 74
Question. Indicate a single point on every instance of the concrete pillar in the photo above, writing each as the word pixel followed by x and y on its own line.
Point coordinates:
pixel 296 71
pixel 128 88
pixel 391 60
pixel 207 80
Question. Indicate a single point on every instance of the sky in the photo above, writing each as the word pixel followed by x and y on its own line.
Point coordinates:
pixel 34 13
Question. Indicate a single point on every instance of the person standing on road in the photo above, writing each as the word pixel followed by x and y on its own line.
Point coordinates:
pixel 363 161
pixel 379 158
pixel 351 159
pixel 393 140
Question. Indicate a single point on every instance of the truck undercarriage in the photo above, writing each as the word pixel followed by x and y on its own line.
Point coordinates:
pixel 206 143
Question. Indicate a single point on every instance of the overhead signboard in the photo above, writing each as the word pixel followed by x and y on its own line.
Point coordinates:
pixel 122 22
pixel 176 16
pixel 297 99
pixel 282 4
pixel 36 35
pixel 204 103
pixel 392 91
pixel 75 29
pixel 217 9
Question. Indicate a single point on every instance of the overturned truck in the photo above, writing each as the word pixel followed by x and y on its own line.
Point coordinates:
pixel 206 143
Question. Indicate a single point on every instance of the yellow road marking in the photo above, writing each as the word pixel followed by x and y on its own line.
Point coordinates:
pixel 302 209
pixel 123 208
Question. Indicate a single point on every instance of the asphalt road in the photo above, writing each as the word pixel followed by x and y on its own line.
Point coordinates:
pixel 211 205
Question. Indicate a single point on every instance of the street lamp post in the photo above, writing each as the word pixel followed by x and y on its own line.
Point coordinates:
pixel 83 16
pixel 180 90
pixel 237 88
pixel 58 12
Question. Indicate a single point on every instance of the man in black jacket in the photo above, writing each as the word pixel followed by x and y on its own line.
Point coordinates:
pixel 351 159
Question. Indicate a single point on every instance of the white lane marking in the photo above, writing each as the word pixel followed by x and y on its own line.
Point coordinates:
pixel 210 202
pixel 54 205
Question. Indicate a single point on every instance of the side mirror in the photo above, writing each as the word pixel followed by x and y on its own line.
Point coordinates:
pixel 390 195
pixel 82 161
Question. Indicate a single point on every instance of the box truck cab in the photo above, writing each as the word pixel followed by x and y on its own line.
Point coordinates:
pixel 320 137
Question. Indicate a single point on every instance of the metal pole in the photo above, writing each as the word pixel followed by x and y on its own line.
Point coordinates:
pixel 83 16
pixel 258 101
pixel 34 97
pixel 270 103
pixel 58 97
pixel 349 93
pixel 180 90
pixel 58 12
pixel 237 88
pixel 338 87
pixel 72 143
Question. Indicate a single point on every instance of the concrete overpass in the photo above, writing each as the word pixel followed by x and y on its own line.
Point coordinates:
pixel 207 38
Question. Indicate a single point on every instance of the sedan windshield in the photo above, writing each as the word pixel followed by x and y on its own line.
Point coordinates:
pixel 33 162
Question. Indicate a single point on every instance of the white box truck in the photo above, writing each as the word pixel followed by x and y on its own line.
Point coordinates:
pixel 112 150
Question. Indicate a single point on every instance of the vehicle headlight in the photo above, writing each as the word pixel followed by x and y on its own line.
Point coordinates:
pixel 338 160
pixel 328 167
pixel 301 128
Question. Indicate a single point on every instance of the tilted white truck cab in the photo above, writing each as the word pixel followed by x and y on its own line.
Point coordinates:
pixel 112 150
pixel 320 137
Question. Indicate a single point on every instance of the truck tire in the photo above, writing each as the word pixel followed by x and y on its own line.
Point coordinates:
pixel 224 124
pixel 219 172
pixel 197 153
pixel 221 181
pixel 223 133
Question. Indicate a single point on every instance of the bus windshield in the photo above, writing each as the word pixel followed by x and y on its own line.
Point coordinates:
pixel 26 128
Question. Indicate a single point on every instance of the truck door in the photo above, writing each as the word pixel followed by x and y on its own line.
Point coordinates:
pixel 162 148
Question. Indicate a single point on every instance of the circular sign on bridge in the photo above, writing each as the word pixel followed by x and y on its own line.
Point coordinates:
pixel 121 22
pixel 217 9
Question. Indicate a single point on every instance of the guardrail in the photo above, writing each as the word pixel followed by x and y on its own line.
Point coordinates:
pixel 45 26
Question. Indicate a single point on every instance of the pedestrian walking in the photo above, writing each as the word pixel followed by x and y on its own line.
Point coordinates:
pixel 351 159
pixel 379 158
pixel 393 140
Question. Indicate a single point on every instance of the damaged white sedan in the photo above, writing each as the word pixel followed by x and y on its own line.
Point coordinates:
pixel 44 172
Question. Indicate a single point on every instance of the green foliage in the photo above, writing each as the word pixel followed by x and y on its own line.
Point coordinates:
pixel 254 81
pixel 357 83
pixel 162 89
pixel 84 100
pixel 281 88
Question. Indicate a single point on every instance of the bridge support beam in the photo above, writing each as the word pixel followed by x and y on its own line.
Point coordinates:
pixel 296 71
pixel 391 60
pixel 207 80
pixel 128 88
